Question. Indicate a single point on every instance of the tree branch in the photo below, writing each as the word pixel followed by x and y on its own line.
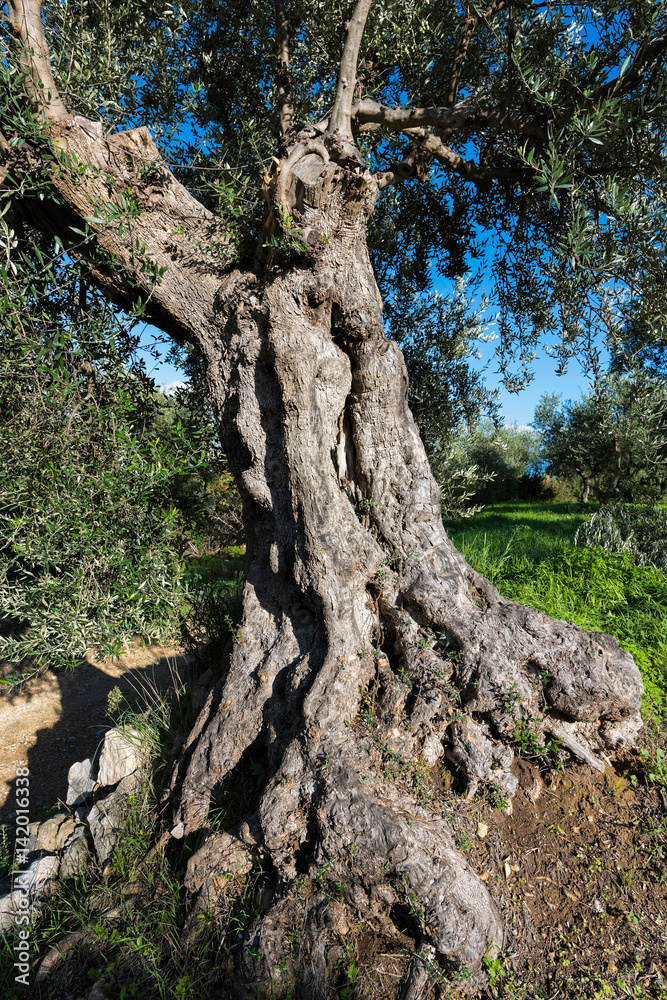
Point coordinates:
pixel 644 59
pixel 143 235
pixel 347 73
pixel 25 19
pixel 468 29
pixel 283 79
pixel 452 119
pixel 435 148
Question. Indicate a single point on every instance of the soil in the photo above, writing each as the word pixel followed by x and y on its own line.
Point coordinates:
pixel 55 719
pixel 579 870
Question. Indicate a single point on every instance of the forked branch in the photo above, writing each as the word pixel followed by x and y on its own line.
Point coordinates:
pixel 347 74
pixel 25 19
pixel 435 149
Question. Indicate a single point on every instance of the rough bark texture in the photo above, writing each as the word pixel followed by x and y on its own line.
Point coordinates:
pixel 352 583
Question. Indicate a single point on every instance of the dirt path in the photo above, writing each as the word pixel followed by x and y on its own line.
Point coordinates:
pixel 57 719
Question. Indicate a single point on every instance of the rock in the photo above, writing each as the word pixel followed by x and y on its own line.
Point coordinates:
pixel 482 830
pixel 107 817
pixel 80 782
pixel 29 886
pixel 220 854
pixel 75 853
pixel 101 991
pixel 121 756
pixel 432 750
pixel 53 833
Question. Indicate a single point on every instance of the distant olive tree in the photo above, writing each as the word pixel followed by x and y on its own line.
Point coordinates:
pixel 505 460
pixel 613 440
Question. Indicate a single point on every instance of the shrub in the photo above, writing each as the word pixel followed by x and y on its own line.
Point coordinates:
pixel 89 535
pixel 641 531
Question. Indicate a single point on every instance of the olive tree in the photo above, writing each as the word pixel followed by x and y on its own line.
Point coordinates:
pixel 392 139
pixel 612 439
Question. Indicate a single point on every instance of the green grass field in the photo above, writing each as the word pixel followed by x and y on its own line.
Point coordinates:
pixel 527 550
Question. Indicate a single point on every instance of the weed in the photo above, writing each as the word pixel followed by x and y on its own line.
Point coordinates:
pixel 462 841
pixel 654 766
pixel 348 966
pixel 496 972
pixel 529 742
pixel 6 857
pixel 417 912
pixel 496 798
pixel 365 505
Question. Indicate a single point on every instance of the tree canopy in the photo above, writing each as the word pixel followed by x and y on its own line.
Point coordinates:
pixel 527 134
pixel 613 440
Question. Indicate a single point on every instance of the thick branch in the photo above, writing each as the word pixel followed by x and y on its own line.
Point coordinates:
pixel 140 231
pixel 347 74
pixel 25 19
pixel 452 119
pixel 468 29
pixel 283 79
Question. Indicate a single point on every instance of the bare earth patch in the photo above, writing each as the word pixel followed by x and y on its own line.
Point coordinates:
pixel 56 719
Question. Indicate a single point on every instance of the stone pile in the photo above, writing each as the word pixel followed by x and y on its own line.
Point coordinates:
pixel 97 809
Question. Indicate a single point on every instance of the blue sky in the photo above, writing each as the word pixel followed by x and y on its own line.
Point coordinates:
pixel 519 408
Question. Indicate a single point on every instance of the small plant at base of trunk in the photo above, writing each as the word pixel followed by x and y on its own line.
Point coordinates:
pixel 496 798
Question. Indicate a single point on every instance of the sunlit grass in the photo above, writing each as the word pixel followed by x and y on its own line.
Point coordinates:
pixel 527 551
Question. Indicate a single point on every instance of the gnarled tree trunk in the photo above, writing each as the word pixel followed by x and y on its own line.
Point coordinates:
pixel 352 583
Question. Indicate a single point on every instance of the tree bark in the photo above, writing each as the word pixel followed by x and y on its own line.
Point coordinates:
pixel 352 584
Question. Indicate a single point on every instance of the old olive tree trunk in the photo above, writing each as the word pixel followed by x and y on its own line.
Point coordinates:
pixel 352 584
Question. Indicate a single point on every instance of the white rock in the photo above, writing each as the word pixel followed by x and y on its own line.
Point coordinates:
pixel 121 755
pixel 432 750
pixel 29 886
pixel 80 782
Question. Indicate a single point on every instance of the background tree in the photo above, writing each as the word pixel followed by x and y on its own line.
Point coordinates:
pixel 614 439
pixel 539 126
pixel 101 473
pixel 507 460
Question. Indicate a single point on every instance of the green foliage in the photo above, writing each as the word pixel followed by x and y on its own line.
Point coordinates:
pixel 438 337
pixel 213 607
pixel 6 852
pixel 526 739
pixel 495 463
pixel 576 224
pixel 496 798
pixel 614 440
pixel 496 971
pixel 641 531
pixel 88 528
pixel 527 550
pixel 654 765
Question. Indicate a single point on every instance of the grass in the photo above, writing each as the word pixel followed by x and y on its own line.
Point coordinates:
pixel 527 551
